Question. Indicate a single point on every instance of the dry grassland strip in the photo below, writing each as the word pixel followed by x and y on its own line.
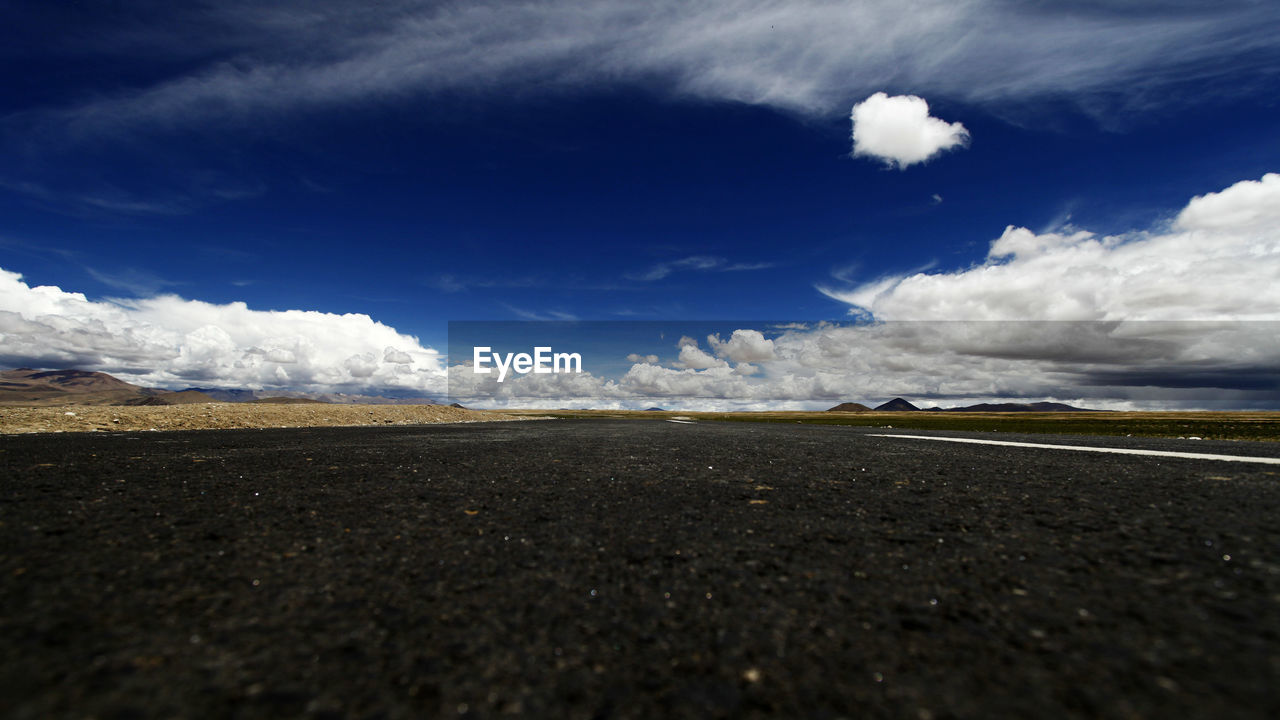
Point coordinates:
pixel 1258 426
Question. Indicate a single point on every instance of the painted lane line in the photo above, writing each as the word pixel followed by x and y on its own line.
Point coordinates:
pixel 1086 448
pixel 683 422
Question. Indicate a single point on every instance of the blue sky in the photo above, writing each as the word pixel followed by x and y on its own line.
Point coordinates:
pixel 428 162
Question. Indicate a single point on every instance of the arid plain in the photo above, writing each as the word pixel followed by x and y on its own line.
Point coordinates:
pixel 1251 426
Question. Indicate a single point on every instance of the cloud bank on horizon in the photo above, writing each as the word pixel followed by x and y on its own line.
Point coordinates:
pixel 1188 316
pixel 1100 365
pixel 1217 260
pixel 168 341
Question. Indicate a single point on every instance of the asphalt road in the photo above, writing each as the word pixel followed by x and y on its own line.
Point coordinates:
pixel 631 569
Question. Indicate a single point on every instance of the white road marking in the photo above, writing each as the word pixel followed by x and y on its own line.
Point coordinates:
pixel 1086 448
pixel 683 422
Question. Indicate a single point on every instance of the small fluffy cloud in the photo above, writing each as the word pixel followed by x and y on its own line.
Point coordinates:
pixel 168 341
pixel 899 130
pixel 638 358
pixel 1218 260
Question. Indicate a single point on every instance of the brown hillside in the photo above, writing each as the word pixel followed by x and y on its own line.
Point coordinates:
pixel 850 407
pixel 27 387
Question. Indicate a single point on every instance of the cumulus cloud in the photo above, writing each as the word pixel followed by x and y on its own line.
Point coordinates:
pixel 638 358
pixel 1218 260
pixel 743 346
pixel 900 131
pixel 695 358
pixel 811 56
pixel 392 355
pixel 169 341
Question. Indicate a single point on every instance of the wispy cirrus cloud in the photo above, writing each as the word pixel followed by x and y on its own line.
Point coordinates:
pixel 806 56
pixel 540 315
pixel 661 270
pixel 138 283
pixel 90 197
pixel 702 263
pixel 456 283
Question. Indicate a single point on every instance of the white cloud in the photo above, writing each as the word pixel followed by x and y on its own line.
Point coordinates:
pixel 1219 260
pixel 810 56
pixel 392 355
pixel 1248 205
pixel 638 358
pixel 695 358
pixel 168 341
pixel 1105 365
pixel 743 346
pixel 280 355
pixel 900 131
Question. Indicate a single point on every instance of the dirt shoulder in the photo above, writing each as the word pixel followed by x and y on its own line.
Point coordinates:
pixel 205 416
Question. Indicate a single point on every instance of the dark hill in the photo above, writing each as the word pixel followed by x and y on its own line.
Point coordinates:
pixel 1019 407
pixel 897 405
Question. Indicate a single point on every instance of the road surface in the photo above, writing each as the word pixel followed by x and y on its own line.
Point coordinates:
pixel 633 569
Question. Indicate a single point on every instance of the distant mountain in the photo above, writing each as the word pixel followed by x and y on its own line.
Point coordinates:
pixel 654 409
pixel 1019 407
pixel 850 407
pixel 226 395
pixel 897 405
pixel 25 386
pixel 166 397
pixel 238 395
